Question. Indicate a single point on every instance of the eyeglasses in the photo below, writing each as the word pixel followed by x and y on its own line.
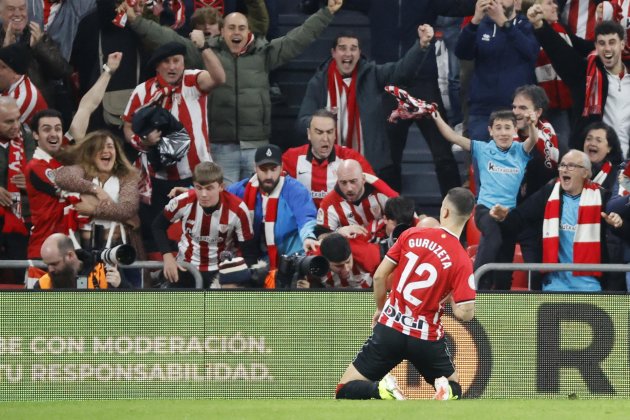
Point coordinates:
pixel 570 166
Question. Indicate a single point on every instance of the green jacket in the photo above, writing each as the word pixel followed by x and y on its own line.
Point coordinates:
pixel 240 109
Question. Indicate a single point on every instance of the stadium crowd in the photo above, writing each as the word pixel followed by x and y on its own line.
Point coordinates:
pixel 148 123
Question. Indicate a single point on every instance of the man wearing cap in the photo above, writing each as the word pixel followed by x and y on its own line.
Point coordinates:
pixel 184 93
pixel 315 164
pixel 282 209
pixel 15 151
pixel 14 82
pixel 239 111
pixel 355 207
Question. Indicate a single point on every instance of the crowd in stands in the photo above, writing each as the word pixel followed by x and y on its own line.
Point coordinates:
pixel 148 123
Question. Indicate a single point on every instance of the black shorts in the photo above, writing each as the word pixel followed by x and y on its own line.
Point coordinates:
pixel 387 347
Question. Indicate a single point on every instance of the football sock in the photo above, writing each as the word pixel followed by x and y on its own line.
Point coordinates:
pixel 456 389
pixel 358 390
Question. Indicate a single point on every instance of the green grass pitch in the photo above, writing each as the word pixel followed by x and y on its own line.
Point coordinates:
pixel 317 409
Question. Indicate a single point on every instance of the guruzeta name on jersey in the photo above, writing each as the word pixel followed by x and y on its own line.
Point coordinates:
pixel 433 247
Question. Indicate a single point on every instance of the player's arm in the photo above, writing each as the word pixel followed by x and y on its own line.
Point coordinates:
pixel 380 283
pixel 463 311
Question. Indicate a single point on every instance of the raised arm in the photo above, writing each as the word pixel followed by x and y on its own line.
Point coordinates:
pixel 450 134
pixel 530 142
pixel 92 98
pixel 214 74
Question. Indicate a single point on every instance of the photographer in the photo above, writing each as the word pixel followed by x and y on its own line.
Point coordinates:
pixel 66 267
pixel 349 267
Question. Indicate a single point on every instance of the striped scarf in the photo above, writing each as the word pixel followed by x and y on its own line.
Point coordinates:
pixel 216 4
pixel 602 174
pixel 343 98
pixel 270 213
pixel 547 143
pixel 586 244
pixel 594 85
pixel 13 220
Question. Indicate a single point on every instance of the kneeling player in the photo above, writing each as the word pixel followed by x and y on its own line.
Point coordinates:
pixel 430 268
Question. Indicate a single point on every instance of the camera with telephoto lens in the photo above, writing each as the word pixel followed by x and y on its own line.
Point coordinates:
pixel 118 255
pixel 294 267
pixel 388 242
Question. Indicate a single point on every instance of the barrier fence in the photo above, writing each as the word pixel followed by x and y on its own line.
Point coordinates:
pixel 295 344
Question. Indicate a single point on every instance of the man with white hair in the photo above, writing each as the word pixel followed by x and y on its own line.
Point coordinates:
pixel 570 216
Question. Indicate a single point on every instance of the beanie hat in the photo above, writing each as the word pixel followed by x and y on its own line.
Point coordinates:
pixel 234 271
pixel 164 51
pixel 17 57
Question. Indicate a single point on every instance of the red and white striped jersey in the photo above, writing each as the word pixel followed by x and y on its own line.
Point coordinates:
pixel 335 211
pixel 205 236
pixel 579 17
pixel 190 108
pixel 431 265
pixel 318 177
pixel 29 99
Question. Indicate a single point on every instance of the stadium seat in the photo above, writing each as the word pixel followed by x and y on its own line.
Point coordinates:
pixel 472 233
pixel 519 278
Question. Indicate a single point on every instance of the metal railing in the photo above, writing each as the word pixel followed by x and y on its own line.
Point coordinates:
pixel 529 267
pixel 138 264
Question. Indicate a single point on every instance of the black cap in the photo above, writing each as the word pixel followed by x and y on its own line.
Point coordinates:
pixel 165 51
pixel 16 56
pixel 268 154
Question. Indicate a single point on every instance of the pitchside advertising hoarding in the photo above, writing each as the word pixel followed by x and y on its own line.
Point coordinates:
pixel 236 344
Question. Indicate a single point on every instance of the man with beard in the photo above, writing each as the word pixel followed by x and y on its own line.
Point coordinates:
pixel 282 209
pixel 503 46
pixel 66 270
pixel 184 93
pixel 599 84
pixel 355 207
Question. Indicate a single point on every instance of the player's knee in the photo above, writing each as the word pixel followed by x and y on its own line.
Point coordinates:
pixel 456 389
pixel 339 392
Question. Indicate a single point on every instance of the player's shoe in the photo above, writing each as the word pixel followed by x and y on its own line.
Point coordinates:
pixel 388 388
pixel 443 389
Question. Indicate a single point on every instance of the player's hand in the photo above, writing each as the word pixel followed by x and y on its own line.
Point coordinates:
pixel 352 231
pixel 334 5
pixel 613 219
pixel 171 268
pixel 310 245
pixel 112 275
pixel 19 180
pixel 6 199
pixel 113 61
pixel 198 38
pixel 535 15
pixel 177 191
pixel 425 35
pixel 480 11
pixel 498 212
pixel 375 317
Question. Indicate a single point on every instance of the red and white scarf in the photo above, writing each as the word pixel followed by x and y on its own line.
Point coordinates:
pixel 594 86
pixel 408 106
pixel 547 143
pixel 51 8
pixel 216 4
pixel 602 174
pixel 586 244
pixel 72 220
pixel 343 98
pixel 270 213
pixel 13 220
